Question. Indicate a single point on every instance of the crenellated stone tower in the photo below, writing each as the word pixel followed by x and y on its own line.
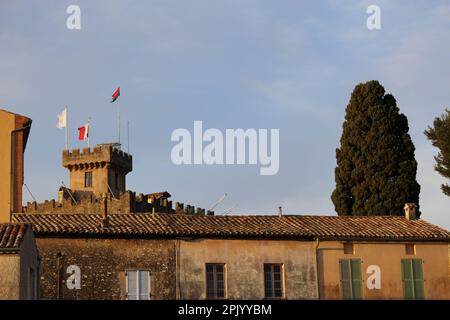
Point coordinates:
pixel 100 171
pixel 98 186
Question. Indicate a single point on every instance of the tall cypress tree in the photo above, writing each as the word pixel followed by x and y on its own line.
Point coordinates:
pixel 376 168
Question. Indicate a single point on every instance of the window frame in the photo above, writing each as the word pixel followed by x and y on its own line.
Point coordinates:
pixel 88 182
pixel 347 246
pixel 137 293
pixel 225 282
pixel 410 249
pixel 282 281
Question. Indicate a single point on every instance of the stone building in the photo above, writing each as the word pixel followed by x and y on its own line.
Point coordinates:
pixel 19 264
pixel 240 257
pixel 98 182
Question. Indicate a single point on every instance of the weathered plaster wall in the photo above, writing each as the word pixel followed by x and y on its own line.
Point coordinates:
pixel 244 261
pixel 9 276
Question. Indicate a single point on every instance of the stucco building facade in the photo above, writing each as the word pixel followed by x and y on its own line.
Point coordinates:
pixel 14 131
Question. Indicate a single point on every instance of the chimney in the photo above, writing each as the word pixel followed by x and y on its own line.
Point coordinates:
pixel 410 211
pixel 280 211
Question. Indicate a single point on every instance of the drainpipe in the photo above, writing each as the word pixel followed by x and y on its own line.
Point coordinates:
pixel 317 268
pixel 12 167
pixel 177 269
pixel 58 275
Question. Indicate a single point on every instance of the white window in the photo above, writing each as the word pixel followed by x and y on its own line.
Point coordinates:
pixel 137 285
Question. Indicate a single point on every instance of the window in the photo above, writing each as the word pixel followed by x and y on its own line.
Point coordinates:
pixel 412 279
pixel 215 281
pixel 137 285
pixel 348 248
pixel 273 281
pixel 350 279
pixel 88 179
pixel 410 249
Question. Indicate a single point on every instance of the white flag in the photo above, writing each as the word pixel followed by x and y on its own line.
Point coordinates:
pixel 62 119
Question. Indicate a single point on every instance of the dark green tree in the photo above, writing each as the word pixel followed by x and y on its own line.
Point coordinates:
pixel 439 135
pixel 376 168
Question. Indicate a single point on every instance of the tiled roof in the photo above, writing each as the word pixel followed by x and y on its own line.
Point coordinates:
pixel 11 236
pixel 250 226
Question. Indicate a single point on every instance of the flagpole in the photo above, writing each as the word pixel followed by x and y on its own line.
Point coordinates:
pixel 67 129
pixel 89 133
pixel 118 114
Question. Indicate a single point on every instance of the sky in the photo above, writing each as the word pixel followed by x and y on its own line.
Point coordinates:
pixel 287 65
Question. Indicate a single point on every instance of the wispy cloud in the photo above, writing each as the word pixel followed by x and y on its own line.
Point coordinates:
pixel 290 65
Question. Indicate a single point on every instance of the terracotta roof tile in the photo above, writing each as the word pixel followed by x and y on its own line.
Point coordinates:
pixel 250 226
pixel 11 236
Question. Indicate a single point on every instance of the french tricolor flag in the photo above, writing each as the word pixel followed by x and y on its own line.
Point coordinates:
pixel 83 132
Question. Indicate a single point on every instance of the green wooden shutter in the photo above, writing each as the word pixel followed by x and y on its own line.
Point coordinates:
pixel 408 284
pixel 356 279
pixel 418 278
pixel 412 272
pixel 345 275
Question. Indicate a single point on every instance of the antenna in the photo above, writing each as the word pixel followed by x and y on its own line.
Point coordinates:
pixel 70 193
pixel 29 192
pixel 230 210
pixel 111 192
pixel 128 136
pixel 218 202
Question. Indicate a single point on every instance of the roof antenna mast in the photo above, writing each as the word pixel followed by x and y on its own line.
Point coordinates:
pixel 218 202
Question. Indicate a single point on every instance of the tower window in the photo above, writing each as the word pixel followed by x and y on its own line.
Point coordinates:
pixel 88 179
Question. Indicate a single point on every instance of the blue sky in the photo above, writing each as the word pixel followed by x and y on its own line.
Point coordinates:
pixel 289 65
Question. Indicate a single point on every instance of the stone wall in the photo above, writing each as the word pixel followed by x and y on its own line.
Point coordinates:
pixel 127 202
pixel 103 263
pixel 107 165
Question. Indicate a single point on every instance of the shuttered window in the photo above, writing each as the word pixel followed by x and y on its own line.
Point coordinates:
pixel 350 278
pixel 138 285
pixel 273 281
pixel 215 281
pixel 412 273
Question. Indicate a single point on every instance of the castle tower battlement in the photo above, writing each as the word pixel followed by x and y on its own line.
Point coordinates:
pixel 97 171
pixel 105 154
